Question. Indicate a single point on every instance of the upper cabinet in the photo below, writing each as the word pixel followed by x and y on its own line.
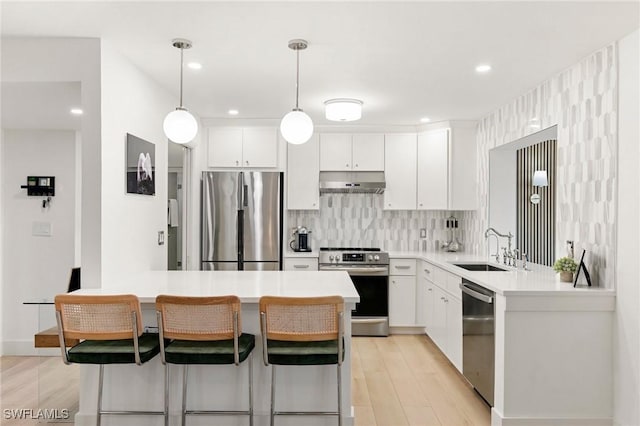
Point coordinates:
pixel 352 152
pixel 447 169
pixel 302 175
pixel 400 171
pixel 243 147
pixel 433 170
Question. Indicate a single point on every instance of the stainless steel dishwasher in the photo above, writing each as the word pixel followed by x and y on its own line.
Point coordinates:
pixel 478 338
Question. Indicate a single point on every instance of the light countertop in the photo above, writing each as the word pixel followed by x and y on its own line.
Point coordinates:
pixel 249 286
pixel 537 280
pixel 291 253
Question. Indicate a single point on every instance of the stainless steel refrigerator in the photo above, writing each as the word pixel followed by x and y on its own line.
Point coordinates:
pixel 241 221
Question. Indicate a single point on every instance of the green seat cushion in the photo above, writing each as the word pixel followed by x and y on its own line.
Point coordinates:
pixel 114 351
pixel 208 352
pixel 282 352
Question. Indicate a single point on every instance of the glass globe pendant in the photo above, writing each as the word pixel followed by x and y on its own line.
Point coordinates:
pixel 296 126
pixel 180 126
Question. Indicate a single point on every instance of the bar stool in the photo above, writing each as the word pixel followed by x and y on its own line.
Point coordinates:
pixel 111 329
pixel 205 330
pixel 302 331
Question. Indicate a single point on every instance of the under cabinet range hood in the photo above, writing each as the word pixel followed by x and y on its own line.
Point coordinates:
pixel 352 182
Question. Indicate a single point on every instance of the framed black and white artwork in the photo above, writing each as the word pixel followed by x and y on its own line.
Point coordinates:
pixel 140 166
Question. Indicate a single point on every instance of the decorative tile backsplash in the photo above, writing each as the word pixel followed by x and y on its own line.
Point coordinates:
pixel 582 101
pixel 358 220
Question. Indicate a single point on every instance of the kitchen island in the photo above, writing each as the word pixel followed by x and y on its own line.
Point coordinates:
pixel 132 387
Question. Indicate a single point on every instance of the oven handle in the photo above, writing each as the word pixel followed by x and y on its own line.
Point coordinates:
pixel 357 271
pixel 479 296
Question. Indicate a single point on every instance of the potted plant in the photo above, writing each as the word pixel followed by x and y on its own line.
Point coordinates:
pixel 566 266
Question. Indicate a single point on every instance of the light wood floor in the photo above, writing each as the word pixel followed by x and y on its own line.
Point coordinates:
pixel 396 381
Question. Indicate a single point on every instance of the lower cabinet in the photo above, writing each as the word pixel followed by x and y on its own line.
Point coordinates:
pixel 402 301
pixel 300 263
pixel 443 313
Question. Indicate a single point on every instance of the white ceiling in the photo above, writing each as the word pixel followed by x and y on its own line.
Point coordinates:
pixel 404 60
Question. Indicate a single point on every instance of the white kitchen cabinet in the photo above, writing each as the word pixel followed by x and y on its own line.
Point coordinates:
pixel 368 152
pixel 303 172
pixel 433 170
pixel 335 152
pixel 447 168
pixel 243 147
pixel 424 295
pixel 300 263
pixel 351 152
pixel 443 311
pixel 402 301
pixel 400 169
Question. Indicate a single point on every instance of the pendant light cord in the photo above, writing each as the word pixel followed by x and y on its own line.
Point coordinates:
pixel 297 76
pixel 181 68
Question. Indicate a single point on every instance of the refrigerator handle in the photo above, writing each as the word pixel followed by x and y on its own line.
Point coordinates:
pixel 245 196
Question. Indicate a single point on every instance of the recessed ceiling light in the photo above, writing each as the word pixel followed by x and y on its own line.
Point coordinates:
pixel 425 120
pixel 483 68
pixel 195 65
pixel 233 112
pixel 76 111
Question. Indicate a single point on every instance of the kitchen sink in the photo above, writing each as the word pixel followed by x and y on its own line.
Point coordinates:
pixel 479 267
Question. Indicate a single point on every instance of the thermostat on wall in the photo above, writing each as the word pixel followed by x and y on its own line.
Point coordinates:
pixel 41 186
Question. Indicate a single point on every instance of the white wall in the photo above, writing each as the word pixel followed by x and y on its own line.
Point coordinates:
pixel 627 328
pixel 69 60
pixel 35 267
pixel 131 103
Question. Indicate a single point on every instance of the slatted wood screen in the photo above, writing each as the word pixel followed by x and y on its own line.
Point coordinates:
pixel 536 224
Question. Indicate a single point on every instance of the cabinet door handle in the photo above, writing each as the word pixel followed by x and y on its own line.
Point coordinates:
pixel 420 204
pixel 301 266
pixel 356 165
pixel 237 162
pixel 347 165
pixel 429 289
pixel 402 266
pixel 427 271
pixel 442 298
pixel 247 162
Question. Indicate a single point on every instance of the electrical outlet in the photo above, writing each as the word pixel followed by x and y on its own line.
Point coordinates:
pixel 160 238
pixel 423 233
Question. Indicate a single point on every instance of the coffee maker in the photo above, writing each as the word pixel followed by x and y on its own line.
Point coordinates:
pixel 301 239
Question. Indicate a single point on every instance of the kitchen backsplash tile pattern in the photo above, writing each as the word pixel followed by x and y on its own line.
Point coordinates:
pixel 358 220
pixel 582 101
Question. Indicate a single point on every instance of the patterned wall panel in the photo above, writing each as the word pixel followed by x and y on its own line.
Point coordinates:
pixel 358 220
pixel 536 223
pixel 582 101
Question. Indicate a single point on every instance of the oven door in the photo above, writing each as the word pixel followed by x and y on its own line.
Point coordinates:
pixel 371 316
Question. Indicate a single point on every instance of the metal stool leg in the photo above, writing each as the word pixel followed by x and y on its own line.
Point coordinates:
pixel 273 392
pixel 166 395
pixel 250 360
pixel 184 393
pixel 100 384
pixel 339 395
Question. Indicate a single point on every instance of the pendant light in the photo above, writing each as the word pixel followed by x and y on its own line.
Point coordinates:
pixel 179 125
pixel 296 127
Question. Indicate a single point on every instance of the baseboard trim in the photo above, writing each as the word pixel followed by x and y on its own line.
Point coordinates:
pixel 406 330
pixel 498 420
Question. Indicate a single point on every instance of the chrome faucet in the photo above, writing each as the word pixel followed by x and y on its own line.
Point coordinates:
pixel 497 255
pixel 516 255
pixel 525 260
pixel 509 236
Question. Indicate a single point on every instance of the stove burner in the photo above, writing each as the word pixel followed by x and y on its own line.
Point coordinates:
pixel 348 249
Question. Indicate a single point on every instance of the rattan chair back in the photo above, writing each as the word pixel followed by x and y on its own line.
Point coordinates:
pixel 108 317
pixel 198 318
pixel 301 318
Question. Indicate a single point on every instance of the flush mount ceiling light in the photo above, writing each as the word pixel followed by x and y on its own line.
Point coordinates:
pixel 195 65
pixel 179 125
pixel 343 109
pixel 296 127
pixel 76 111
pixel 233 112
pixel 425 120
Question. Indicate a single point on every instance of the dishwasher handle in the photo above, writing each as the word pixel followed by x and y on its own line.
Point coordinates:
pixel 476 295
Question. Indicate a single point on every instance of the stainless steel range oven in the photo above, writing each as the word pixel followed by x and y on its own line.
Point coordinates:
pixel 368 268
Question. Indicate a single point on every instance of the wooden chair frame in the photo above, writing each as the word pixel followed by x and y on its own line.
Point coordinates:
pixel 337 332
pixel 72 327
pixel 202 333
